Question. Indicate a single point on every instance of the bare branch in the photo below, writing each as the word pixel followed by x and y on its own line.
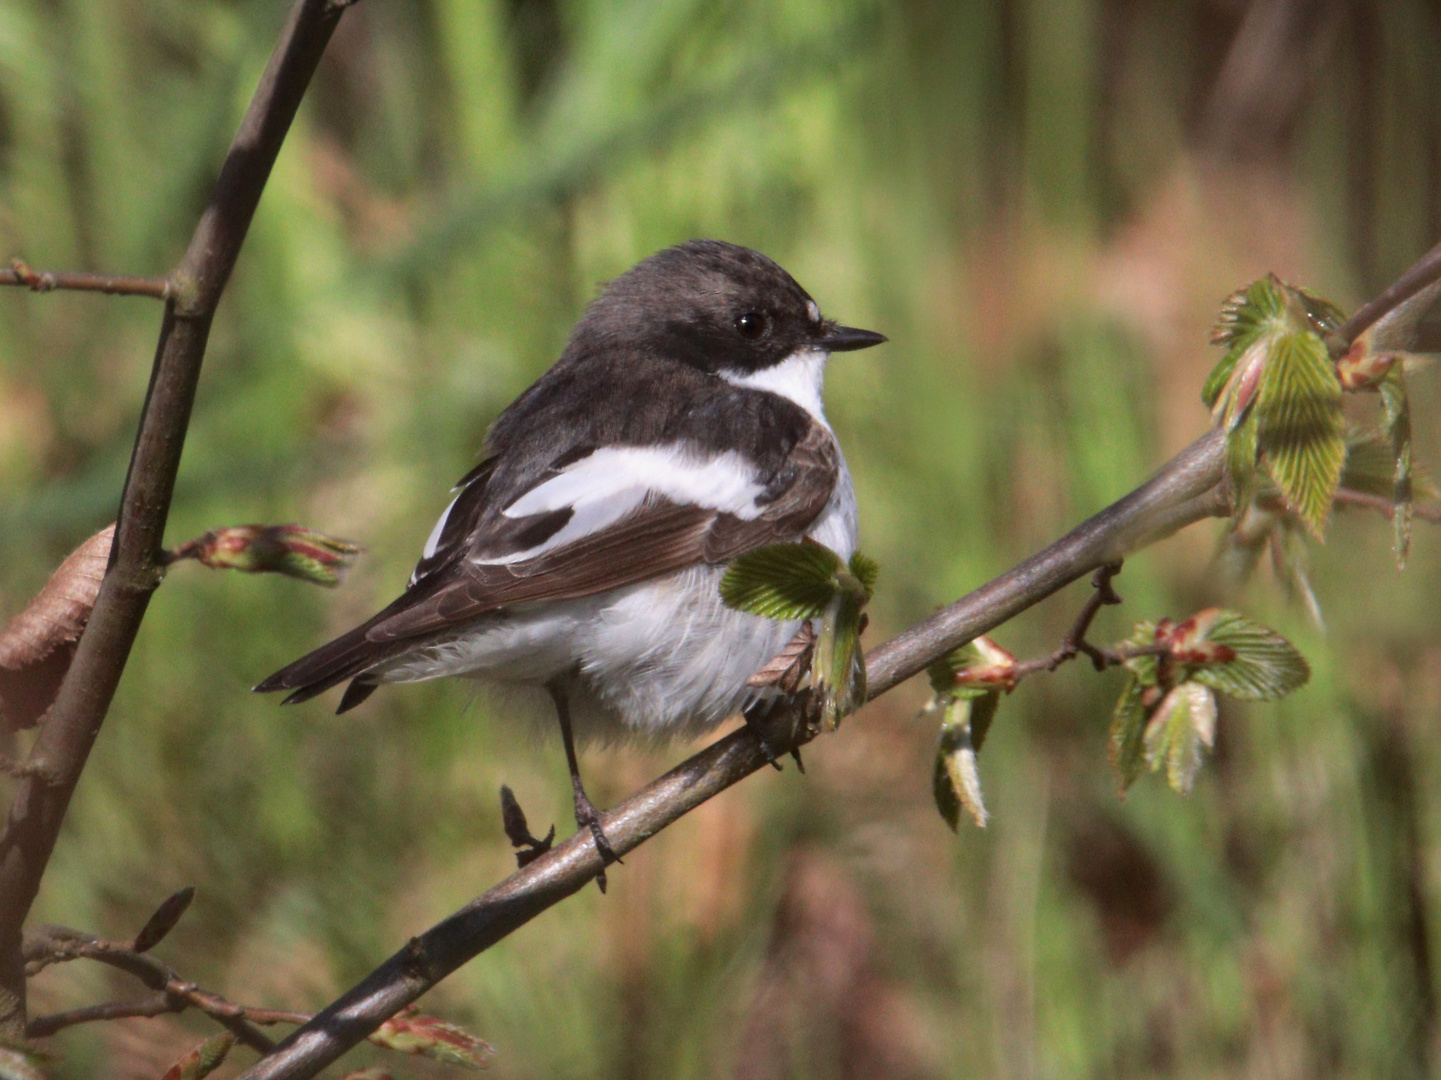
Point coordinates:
pixel 63 745
pixel 1075 643
pixel 42 281
pixel 1384 506
pixel 152 1005
pixel 46 945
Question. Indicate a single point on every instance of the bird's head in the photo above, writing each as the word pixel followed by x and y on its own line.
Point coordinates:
pixel 719 307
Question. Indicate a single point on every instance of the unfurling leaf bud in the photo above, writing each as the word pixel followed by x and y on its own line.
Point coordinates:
pixel 204 1059
pixel 1277 396
pixel 1166 715
pixel 956 783
pixel 1183 723
pixel 410 1032
pixel 278 549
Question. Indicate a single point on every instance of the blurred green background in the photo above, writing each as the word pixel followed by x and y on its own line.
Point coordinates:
pixel 1042 203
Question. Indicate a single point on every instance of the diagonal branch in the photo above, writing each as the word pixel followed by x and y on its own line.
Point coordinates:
pixel 1190 487
pixel 195 286
pixel 1181 493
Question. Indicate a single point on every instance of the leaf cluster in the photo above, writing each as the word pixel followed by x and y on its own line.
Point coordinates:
pixel 1166 715
pixel 1277 393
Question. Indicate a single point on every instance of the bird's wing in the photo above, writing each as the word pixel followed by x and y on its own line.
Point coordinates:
pixel 596 520
pixel 613 517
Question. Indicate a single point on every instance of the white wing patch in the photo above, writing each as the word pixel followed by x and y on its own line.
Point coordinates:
pixel 799 378
pixel 433 541
pixel 612 482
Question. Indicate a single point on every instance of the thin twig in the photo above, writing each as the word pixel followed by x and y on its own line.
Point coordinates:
pixel 1423 272
pixel 43 281
pixel 153 1005
pixel 63 745
pixel 1385 506
pixel 46 945
pixel 1075 641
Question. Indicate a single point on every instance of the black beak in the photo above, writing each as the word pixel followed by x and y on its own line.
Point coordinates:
pixel 848 339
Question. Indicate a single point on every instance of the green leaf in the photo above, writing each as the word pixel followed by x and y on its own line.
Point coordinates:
pixel 783 581
pixel 1264 666
pixel 1183 725
pixel 1128 728
pixel 1242 448
pixel 838 670
pixel 1370 463
pixel 948 802
pixel 1247 313
pixel 865 570
pixel 1144 668
pixel 942 672
pixel 956 782
pixel 1302 430
pixel 1219 377
pixel 1398 426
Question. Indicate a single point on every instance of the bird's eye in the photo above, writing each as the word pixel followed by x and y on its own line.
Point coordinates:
pixel 751 325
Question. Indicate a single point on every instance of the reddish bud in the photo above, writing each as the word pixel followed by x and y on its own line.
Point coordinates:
pixel 279 549
pixel 998 672
pixel 412 1033
pixel 1360 368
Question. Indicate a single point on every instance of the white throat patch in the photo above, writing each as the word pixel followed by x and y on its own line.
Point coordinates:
pixel 799 378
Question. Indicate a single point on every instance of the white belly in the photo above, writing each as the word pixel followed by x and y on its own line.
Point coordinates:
pixel 663 658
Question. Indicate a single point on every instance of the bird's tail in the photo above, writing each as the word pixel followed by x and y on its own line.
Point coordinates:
pixel 347 657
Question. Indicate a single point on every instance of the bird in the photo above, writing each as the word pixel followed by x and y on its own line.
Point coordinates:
pixel 681 427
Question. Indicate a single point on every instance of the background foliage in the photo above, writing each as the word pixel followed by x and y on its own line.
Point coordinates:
pixel 1042 203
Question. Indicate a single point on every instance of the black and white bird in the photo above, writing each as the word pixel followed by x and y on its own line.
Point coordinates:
pixel 681 427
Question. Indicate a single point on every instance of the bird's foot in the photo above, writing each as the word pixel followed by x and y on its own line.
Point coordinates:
pixel 588 817
pixel 517 830
pixel 756 717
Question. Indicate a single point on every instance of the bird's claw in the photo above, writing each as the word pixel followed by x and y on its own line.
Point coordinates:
pixel 587 817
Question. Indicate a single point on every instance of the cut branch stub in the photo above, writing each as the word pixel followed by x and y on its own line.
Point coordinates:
pixel 37 645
